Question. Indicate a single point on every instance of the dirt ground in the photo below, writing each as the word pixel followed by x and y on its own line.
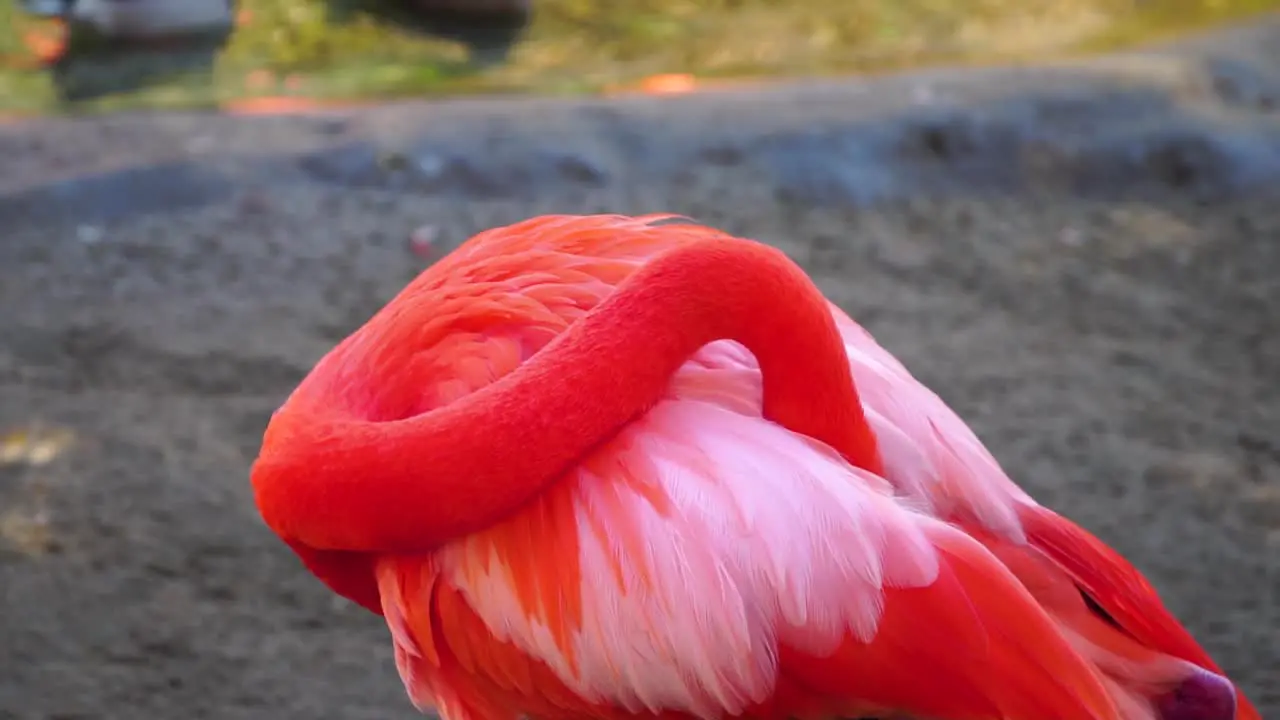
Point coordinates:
pixel 1083 260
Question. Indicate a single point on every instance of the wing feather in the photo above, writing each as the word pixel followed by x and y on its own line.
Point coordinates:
pixel 724 563
pixel 932 457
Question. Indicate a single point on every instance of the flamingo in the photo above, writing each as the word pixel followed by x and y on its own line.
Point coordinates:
pixel 617 467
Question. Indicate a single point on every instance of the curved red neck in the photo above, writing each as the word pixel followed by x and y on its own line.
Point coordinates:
pixel 342 483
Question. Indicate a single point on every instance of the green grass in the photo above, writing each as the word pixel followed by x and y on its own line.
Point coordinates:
pixel 347 49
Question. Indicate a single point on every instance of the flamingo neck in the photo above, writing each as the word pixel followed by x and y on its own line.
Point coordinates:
pixel 338 483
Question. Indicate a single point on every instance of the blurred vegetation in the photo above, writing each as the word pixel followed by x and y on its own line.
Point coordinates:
pixel 377 48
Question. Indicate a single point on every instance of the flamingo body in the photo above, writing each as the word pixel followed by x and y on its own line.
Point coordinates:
pixel 734 543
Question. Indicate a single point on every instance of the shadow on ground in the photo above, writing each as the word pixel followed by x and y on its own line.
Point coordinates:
pixel 99 67
pixel 488 36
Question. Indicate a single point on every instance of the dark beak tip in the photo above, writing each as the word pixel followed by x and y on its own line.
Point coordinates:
pixel 1203 696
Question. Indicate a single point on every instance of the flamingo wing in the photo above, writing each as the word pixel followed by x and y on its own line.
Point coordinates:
pixel 1121 592
pixel 706 562
pixel 932 457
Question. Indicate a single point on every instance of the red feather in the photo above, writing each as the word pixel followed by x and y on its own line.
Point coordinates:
pixel 1119 589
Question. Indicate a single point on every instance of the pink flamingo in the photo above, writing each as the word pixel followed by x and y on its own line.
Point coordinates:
pixel 601 467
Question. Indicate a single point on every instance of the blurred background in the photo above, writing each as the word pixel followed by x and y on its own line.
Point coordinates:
pixel 1062 215
pixel 83 54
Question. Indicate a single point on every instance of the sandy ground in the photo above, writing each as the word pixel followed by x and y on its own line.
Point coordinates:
pixel 1082 259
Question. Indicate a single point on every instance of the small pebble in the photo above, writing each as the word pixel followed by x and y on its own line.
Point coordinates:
pixel 89 234
pixel 1071 237
pixel 200 144
pixel 253 203
pixel 422 241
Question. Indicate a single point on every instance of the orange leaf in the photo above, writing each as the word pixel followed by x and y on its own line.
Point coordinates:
pixel 275 105
pixel 48 45
pixel 669 84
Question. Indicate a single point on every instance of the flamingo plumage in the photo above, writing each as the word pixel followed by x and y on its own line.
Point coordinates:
pixel 612 467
